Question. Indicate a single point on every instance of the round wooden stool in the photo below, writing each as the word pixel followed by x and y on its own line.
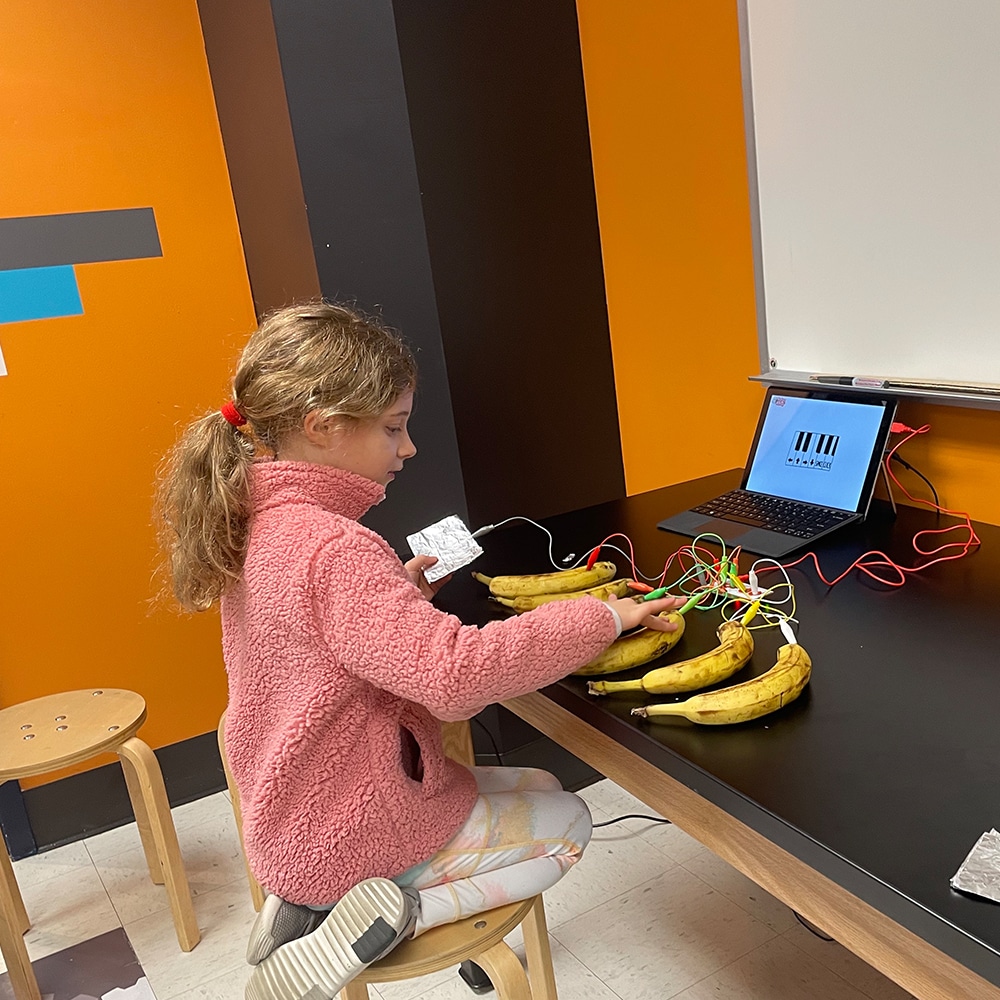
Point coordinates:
pixel 480 939
pixel 62 729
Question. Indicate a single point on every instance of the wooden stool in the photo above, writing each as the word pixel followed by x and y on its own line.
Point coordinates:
pixel 479 938
pixel 63 729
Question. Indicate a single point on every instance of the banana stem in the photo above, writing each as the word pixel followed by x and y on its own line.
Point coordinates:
pixel 482 578
pixel 610 687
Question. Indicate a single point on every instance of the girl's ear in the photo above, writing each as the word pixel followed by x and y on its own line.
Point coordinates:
pixel 319 428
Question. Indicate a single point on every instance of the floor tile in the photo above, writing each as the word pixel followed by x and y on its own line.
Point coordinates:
pixel 99 967
pixel 741 890
pixel 846 964
pixel 50 864
pixel 224 917
pixel 665 935
pixel 775 971
pixel 203 810
pixel 65 910
pixel 212 858
pixel 615 861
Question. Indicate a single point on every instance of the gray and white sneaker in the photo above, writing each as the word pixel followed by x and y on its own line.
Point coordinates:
pixel 366 924
pixel 277 923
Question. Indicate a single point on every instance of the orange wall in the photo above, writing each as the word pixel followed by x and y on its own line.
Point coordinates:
pixel 665 108
pixel 112 111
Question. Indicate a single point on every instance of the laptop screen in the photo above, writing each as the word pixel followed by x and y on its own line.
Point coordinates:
pixel 818 449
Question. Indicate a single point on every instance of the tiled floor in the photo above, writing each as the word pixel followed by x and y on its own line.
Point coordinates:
pixel 648 914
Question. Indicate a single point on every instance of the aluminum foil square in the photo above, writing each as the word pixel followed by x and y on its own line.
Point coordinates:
pixel 451 541
pixel 979 873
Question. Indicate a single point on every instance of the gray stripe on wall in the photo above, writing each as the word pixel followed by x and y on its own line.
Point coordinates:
pixel 78 238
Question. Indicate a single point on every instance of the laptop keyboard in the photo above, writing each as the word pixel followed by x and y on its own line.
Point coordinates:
pixel 790 517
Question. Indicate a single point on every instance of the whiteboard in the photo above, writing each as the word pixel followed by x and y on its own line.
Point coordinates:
pixel 873 131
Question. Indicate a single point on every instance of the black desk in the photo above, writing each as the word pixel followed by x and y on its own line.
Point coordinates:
pixel 857 803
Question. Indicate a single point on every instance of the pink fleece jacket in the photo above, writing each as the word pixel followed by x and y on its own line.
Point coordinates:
pixel 339 670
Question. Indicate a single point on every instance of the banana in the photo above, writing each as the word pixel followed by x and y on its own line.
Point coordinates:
pixel 779 686
pixel 617 587
pixel 563 581
pixel 636 649
pixel 734 649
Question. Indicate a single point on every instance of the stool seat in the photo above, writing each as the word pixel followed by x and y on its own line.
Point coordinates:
pixel 58 730
pixel 479 938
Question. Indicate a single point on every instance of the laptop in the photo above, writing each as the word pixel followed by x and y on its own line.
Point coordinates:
pixel 812 469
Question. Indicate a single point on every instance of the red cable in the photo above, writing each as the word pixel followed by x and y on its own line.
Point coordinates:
pixel 870 561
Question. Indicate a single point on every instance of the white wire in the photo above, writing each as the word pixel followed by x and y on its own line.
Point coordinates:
pixel 563 565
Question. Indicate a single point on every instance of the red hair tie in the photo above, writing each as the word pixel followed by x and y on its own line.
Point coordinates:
pixel 233 415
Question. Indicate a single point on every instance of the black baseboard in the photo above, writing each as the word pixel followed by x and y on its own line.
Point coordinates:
pixel 84 804
pixel 14 821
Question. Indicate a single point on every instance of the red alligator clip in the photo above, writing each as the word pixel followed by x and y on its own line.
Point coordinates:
pixel 593 557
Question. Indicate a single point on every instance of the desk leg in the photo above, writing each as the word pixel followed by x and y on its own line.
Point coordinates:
pixel 900 954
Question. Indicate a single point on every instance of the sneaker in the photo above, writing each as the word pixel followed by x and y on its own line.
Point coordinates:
pixel 278 923
pixel 366 924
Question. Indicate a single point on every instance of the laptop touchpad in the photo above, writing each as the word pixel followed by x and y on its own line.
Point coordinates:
pixel 727 530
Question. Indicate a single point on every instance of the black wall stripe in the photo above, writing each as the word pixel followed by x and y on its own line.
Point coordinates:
pixel 445 161
pixel 78 238
pixel 348 111
pixel 498 117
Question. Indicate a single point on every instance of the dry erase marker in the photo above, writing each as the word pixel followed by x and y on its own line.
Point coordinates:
pixel 861 381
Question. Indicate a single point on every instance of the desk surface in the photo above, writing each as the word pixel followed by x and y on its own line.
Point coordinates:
pixel 887 770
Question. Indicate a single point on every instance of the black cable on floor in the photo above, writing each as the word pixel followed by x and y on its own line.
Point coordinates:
pixel 809 927
pixel 618 819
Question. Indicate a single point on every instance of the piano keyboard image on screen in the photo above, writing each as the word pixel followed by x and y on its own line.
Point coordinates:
pixel 812 450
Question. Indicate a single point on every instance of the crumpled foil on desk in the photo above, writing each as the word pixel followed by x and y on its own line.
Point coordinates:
pixel 979 873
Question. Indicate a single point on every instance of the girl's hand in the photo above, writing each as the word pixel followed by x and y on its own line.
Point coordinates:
pixel 634 613
pixel 415 571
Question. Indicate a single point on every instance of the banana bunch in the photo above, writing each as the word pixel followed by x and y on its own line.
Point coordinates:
pixel 636 649
pixel 779 686
pixel 564 581
pixel 734 650
pixel 528 603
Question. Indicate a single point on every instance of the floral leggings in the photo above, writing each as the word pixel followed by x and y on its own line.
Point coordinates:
pixel 523 834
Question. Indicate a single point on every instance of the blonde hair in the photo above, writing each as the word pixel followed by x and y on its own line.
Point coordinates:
pixel 309 356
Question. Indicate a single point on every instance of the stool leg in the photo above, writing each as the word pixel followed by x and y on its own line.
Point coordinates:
pixel 505 972
pixel 354 991
pixel 20 915
pixel 12 918
pixel 142 822
pixel 257 893
pixel 538 953
pixel 153 796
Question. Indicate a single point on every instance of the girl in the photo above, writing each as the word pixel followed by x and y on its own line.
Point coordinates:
pixel 340 668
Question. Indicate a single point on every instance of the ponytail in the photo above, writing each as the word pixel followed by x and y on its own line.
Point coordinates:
pixel 203 503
